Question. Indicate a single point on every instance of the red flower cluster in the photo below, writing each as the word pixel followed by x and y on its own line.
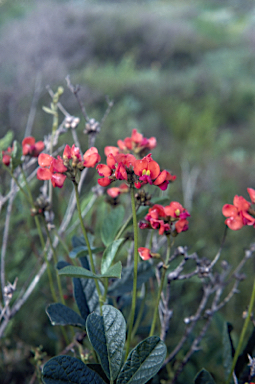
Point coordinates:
pixel 56 169
pixel 239 214
pixel 31 148
pixel 135 143
pixel 6 156
pixel 141 172
pixel 169 219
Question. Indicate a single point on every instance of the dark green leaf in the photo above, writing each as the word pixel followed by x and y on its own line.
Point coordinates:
pixel 61 264
pixel 227 349
pixel 16 155
pixel 98 369
pixel 111 223
pixel 78 241
pixel 107 334
pixel 73 271
pixel 109 254
pixel 59 314
pixel 143 362
pixel 67 369
pixel 204 377
pixel 86 296
pixel 125 284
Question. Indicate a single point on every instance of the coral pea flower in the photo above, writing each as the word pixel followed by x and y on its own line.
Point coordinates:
pixel 144 253
pixel 251 194
pixel 32 148
pixel 72 153
pixel 148 171
pixel 91 157
pixel 116 191
pixel 176 210
pixel 237 214
pixel 51 169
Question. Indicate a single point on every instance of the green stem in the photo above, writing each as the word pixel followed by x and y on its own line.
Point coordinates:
pixel 245 326
pixel 139 317
pixel 55 259
pixel 88 245
pixel 160 288
pixel 136 258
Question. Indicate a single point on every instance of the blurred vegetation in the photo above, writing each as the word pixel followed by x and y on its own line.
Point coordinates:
pixel 180 71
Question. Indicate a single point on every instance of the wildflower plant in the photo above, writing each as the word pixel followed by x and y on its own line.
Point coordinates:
pixel 115 266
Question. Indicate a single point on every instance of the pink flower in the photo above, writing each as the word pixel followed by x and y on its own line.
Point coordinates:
pixel 251 194
pixel 237 214
pixel 144 253
pixel 91 157
pixel 51 169
pixel 114 192
pixel 31 148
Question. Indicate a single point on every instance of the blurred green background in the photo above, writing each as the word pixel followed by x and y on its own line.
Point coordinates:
pixel 179 70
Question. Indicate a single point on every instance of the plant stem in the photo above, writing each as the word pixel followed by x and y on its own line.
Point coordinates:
pixel 136 258
pixel 153 324
pixel 55 261
pixel 88 245
pixel 245 326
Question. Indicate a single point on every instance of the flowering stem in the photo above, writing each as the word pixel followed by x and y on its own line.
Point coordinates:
pixel 136 258
pixel 87 242
pixel 245 326
pixel 165 266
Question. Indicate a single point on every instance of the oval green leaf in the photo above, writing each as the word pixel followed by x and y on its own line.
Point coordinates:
pixel 72 271
pixel 107 334
pixel 143 362
pixel 67 369
pixel 111 223
pixel 60 314
pixel 204 377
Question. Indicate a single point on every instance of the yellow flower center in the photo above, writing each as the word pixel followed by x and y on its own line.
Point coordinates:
pixel 177 212
pixel 146 172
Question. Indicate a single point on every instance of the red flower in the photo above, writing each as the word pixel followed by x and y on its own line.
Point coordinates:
pixel 136 143
pixel 72 153
pixel 51 169
pixel 114 192
pixel 252 194
pixel 6 156
pixel 91 157
pixel 237 214
pixel 169 219
pixel 148 171
pixel 116 168
pixel 144 253
pixel 31 148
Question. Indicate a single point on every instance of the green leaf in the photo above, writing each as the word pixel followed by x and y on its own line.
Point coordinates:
pixel 107 334
pixel 48 110
pixel 86 295
pixel 109 254
pixel 73 271
pixel 67 369
pixel 242 360
pixel 204 377
pixel 111 223
pixel 227 349
pixel 98 369
pixel 125 284
pixel 59 314
pixel 114 270
pixel 82 251
pixel 143 362
pixel 16 155
pixel 5 142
